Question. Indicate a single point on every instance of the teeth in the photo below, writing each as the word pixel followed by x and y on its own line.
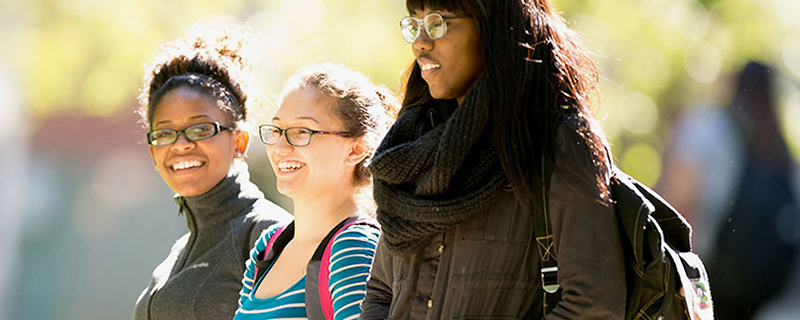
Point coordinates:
pixel 426 67
pixel 186 165
pixel 290 166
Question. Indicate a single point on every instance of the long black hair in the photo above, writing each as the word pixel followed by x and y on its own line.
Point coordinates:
pixel 539 76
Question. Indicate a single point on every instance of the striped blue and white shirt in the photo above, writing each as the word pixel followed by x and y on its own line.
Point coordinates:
pixel 351 259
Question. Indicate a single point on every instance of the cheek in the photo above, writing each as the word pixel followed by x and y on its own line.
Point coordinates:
pixel 223 154
pixel 272 164
pixel 158 154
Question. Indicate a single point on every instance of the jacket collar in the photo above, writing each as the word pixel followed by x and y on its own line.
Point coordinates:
pixel 231 197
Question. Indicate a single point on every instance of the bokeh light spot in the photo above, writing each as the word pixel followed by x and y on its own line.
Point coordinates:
pixel 702 62
pixel 643 162
pixel 638 112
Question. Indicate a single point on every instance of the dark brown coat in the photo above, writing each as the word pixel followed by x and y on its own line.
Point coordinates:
pixel 488 267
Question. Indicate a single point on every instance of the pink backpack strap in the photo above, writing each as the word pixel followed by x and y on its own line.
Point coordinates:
pixel 326 300
pixel 265 258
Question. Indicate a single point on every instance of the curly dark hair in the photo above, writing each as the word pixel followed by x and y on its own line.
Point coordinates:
pixel 211 62
pixel 539 77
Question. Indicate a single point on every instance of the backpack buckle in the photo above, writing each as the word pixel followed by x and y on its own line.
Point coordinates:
pixel 550 279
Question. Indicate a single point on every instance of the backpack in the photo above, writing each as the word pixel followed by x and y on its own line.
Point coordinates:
pixel 664 279
pixel 319 303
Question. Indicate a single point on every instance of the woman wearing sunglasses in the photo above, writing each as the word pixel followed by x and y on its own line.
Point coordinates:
pixel 194 104
pixel 319 143
pixel 496 132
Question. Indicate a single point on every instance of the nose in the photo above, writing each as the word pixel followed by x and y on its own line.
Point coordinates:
pixel 182 143
pixel 281 147
pixel 422 44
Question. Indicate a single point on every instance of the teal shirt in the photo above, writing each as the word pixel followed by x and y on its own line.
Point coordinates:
pixel 351 258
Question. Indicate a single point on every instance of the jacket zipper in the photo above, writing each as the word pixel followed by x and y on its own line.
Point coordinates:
pixel 184 208
pixel 192 238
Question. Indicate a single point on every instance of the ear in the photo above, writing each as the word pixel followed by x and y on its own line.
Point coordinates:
pixel 357 153
pixel 242 139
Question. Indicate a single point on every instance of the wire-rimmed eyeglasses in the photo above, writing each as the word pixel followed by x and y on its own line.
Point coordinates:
pixel 433 23
pixel 295 136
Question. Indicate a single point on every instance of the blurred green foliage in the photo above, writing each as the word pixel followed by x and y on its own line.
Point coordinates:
pixel 656 56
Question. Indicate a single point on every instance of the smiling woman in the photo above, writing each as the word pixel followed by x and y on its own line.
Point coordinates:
pixel 189 165
pixel 495 142
pixel 194 106
pixel 319 143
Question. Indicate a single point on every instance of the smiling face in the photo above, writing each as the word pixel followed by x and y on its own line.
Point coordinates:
pixel 191 168
pixel 451 64
pixel 322 167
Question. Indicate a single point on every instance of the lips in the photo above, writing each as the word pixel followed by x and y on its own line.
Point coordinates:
pixel 290 166
pixel 427 66
pixel 181 165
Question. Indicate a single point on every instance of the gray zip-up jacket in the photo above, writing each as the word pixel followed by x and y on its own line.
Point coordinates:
pixel 202 275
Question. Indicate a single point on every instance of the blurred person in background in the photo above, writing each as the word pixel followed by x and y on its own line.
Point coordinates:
pixel 194 104
pixel 495 111
pixel 319 143
pixel 730 171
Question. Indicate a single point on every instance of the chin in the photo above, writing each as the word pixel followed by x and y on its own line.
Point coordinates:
pixel 190 192
pixel 442 95
pixel 439 96
pixel 284 189
pixel 190 189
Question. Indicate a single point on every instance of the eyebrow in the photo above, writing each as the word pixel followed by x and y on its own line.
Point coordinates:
pixel 298 118
pixel 191 118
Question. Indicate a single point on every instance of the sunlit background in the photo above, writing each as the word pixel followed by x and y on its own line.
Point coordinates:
pixel 85 218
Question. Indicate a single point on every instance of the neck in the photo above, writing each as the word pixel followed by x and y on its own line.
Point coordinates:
pixel 227 199
pixel 315 216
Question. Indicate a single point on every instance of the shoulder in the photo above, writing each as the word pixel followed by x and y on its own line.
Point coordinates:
pixel 360 231
pixel 265 215
pixel 575 167
pixel 570 140
pixel 262 240
pixel 180 243
pixel 266 212
pixel 351 255
pixel 359 235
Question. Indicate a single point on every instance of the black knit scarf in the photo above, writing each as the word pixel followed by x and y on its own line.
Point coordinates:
pixel 428 182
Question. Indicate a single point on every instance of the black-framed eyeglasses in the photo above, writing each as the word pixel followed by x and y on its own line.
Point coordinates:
pixel 433 23
pixel 195 132
pixel 295 136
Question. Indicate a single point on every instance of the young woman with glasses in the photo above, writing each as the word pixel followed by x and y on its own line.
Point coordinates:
pixel 319 143
pixel 495 130
pixel 194 104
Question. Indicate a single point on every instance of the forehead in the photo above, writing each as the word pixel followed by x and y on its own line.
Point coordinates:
pixel 449 5
pixel 183 104
pixel 307 104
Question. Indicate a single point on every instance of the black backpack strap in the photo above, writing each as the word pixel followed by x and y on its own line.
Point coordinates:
pixel 677 231
pixel 277 241
pixel 633 197
pixel 543 232
pixel 318 298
